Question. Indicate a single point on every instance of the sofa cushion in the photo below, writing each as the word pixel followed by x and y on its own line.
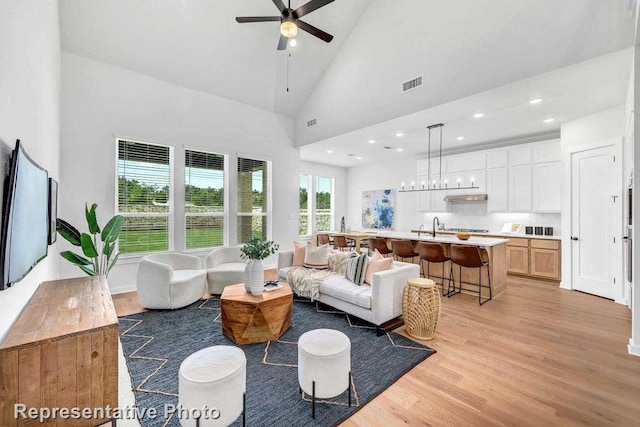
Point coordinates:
pixel 337 261
pixel 342 288
pixel 230 272
pixel 317 257
pixel 282 273
pixel 184 275
pixel 299 252
pixel 356 268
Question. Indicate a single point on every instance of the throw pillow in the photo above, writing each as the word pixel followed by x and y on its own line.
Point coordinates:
pixel 381 264
pixel 317 257
pixel 376 256
pixel 338 262
pixel 299 251
pixel 356 268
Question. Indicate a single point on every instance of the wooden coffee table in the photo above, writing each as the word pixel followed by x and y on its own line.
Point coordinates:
pixel 248 319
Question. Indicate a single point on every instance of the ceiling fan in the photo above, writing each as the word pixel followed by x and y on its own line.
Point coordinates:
pixel 290 21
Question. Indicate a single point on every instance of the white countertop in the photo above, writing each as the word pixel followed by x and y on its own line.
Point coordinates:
pixel 482 242
pixel 498 234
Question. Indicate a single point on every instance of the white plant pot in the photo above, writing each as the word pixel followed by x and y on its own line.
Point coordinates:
pixel 254 277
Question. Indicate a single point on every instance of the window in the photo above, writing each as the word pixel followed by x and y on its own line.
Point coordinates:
pixel 204 181
pixel 324 203
pixel 305 211
pixel 145 198
pixel 254 204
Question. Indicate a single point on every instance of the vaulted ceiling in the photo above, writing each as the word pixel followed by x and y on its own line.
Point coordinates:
pixel 461 48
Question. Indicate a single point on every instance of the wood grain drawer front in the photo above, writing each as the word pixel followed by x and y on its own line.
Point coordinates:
pixel 515 241
pixel 545 263
pixel 545 244
pixel 517 260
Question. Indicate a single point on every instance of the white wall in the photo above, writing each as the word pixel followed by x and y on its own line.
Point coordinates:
pixel 634 342
pixel 100 102
pixel 29 111
pixel 603 128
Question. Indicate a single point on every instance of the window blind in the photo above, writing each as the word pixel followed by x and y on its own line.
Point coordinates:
pixel 204 199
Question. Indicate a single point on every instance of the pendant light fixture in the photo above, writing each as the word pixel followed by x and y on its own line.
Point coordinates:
pixel 440 186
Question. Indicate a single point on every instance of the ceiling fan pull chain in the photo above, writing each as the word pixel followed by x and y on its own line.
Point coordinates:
pixel 288 56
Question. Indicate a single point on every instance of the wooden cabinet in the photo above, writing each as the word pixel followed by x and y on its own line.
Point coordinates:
pixel 62 352
pixel 534 257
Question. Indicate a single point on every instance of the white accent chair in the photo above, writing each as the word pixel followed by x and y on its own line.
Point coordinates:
pixel 170 281
pixel 224 267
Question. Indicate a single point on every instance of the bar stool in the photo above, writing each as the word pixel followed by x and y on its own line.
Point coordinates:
pixel 340 242
pixel 380 244
pixel 434 253
pixel 403 249
pixel 470 257
pixel 323 239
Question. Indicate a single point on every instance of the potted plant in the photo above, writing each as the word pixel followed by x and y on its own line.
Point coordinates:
pixel 255 250
pixel 96 259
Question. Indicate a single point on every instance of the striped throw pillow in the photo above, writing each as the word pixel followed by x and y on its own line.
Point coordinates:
pixel 356 268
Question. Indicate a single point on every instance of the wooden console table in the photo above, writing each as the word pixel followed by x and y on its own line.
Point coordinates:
pixel 62 352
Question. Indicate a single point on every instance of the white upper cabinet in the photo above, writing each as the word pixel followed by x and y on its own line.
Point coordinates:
pixel 466 162
pixel 520 155
pixel 498 158
pixel 548 151
pixel 497 190
pixel 547 196
pixel 520 188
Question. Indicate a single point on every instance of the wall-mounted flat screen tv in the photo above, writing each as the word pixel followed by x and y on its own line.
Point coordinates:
pixel 25 219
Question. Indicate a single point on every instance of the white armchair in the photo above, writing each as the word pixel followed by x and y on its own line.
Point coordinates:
pixel 224 267
pixel 170 281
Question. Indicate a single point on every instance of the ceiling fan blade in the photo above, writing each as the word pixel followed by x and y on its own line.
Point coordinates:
pixel 309 7
pixel 280 5
pixel 245 19
pixel 282 44
pixel 314 31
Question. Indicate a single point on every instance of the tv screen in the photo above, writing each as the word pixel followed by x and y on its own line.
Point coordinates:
pixel 25 221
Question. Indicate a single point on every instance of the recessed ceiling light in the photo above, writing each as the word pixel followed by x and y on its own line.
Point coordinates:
pixel 535 101
pixel 293 42
pixel 372 141
pixel 460 138
pixel 330 151
pixel 548 120
pixel 399 149
pixel 478 115
pixel 399 134
pixel 359 158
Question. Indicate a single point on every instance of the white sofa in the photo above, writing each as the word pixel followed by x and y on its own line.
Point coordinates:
pixel 170 281
pixel 224 267
pixel 378 303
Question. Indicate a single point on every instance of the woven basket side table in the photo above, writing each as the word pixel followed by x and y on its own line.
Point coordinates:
pixel 421 308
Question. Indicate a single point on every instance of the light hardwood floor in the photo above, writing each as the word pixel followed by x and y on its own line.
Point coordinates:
pixel 535 356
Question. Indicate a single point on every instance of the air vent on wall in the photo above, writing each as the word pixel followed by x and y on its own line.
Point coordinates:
pixel 412 84
pixel 311 122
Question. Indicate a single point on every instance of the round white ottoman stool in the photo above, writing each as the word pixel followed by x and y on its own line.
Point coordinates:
pixel 215 377
pixel 324 364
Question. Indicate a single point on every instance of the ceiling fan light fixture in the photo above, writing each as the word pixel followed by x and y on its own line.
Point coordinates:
pixel 288 28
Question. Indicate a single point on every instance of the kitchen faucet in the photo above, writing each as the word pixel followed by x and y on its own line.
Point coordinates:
pixel 435 219
pixel 420 229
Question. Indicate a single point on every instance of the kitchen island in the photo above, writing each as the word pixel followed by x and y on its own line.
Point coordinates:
pixel 496 249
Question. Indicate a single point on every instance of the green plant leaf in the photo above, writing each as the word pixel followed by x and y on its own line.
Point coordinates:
pixel 92 220
pixel 88 248
pixel 89 271
pixel 111 231
pixel 113 262
pixel 107 248
pixel 75 258
pixel 68 232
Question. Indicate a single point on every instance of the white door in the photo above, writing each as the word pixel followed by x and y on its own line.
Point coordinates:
pixel 594 220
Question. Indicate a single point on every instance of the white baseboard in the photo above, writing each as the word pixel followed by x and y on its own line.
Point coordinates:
pixel 633 348
pixel 563 285
pixel 123 289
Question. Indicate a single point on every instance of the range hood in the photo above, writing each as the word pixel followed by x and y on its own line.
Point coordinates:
pixel 476 197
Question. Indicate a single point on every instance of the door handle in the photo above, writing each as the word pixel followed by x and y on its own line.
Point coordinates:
pixel 574 238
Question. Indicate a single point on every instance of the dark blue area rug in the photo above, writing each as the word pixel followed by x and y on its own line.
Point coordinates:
pixel 156 342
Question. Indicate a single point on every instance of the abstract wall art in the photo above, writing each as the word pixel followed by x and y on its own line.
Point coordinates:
pixel 378 209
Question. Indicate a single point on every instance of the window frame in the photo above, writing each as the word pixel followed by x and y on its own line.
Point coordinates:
pixel 225 197
pixel 269 211
pixel 310 205
pixel 170 199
